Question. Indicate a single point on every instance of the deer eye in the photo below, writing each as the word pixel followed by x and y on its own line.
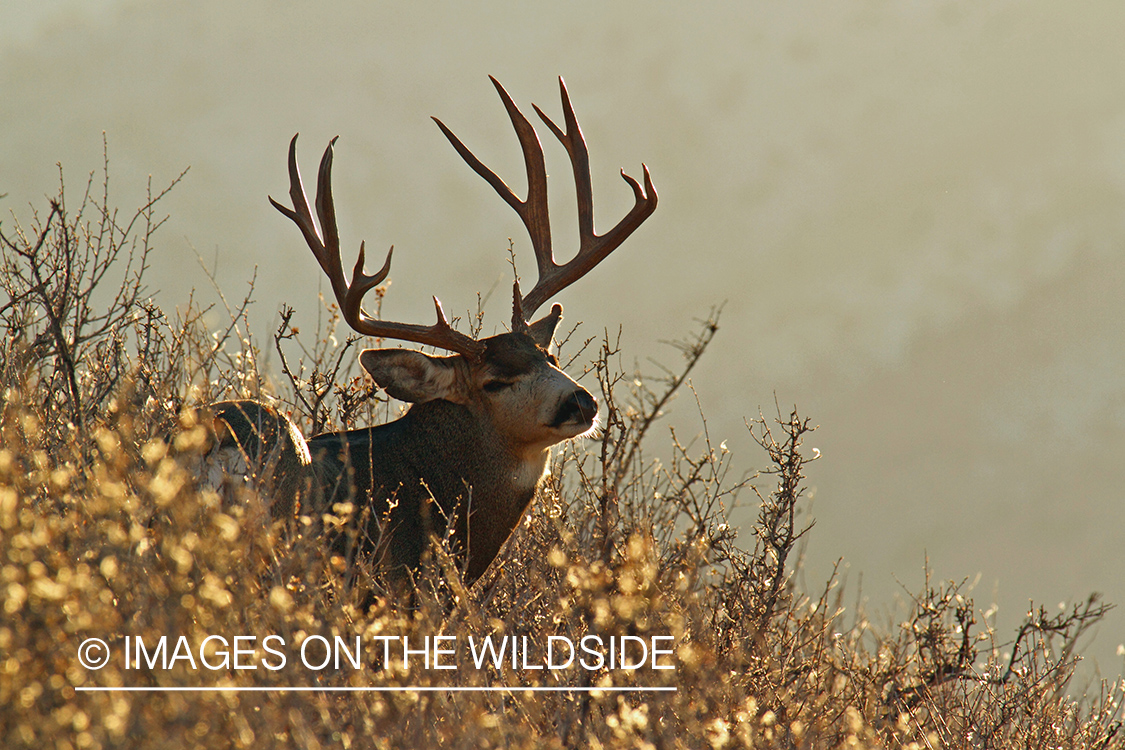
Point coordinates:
pixel 493 386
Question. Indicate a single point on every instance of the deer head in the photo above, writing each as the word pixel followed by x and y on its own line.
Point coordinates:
pixel 511 381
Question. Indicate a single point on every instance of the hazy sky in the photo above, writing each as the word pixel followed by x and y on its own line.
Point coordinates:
pixel 914 212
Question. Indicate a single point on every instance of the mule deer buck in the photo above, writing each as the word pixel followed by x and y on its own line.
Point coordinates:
pixel 474 445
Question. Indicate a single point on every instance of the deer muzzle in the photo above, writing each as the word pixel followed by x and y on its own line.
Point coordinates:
pixel 579 408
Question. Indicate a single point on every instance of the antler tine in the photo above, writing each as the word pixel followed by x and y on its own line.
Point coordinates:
pixel 592 248
pixel 302 216
pixel 349 295
pixel 532 211
pixel 518 319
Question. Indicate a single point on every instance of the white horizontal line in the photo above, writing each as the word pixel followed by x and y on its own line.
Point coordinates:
pixel 313 689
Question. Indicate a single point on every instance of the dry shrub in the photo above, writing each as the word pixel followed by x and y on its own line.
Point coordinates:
pixel 106 533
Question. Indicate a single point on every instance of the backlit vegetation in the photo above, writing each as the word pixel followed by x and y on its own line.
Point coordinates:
pixel 105 532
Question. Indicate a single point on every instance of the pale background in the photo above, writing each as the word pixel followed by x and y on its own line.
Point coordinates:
pixel 914 212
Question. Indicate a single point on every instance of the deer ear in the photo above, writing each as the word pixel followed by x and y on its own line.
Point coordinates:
pixel 543 329
pixel 410 375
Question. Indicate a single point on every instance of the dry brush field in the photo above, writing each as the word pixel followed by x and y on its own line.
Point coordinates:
pixel 108 532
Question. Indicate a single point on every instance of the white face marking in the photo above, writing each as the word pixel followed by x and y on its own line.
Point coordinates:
pixel 529 472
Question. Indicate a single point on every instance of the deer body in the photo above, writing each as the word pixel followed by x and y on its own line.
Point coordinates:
pixel 474 446
pixel 472 449
pixel 431 465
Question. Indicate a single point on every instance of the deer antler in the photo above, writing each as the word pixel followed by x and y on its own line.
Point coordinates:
pixel 592 248
pixel 349 295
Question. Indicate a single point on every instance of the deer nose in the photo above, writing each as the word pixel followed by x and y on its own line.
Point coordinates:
pixel 580 408
pixel 586 404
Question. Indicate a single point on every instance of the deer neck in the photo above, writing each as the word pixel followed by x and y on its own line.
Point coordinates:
pixel 477 451
pixel 502 480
